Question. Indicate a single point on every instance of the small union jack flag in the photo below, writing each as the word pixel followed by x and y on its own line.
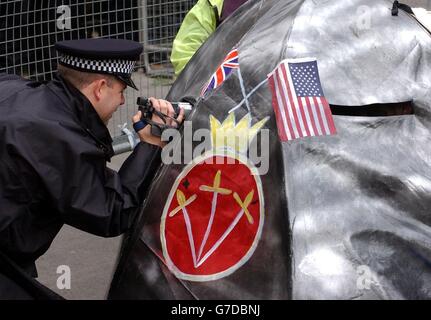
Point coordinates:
pixel 228 65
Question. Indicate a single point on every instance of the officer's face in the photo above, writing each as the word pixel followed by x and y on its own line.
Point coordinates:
pixel 112 96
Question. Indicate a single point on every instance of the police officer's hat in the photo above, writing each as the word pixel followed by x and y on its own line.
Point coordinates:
pixel 116 57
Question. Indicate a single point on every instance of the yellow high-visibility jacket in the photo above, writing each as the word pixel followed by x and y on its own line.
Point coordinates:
pixel 199 23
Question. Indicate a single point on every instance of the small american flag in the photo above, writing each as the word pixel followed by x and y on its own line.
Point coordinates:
pixel 300 107
pixel 228 65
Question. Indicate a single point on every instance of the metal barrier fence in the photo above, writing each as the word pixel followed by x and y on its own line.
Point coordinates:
pixel 29 29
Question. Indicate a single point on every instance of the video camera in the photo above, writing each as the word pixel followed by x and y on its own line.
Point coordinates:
pixel 147 110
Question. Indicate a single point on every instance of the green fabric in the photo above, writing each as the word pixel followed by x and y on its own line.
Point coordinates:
pixel 199 23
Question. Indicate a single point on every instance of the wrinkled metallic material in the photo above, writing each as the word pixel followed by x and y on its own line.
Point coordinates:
pixel 348 216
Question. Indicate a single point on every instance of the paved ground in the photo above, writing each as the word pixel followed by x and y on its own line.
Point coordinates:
pixel 418 3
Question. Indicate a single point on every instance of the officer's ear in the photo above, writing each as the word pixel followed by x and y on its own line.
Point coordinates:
pixel 100 87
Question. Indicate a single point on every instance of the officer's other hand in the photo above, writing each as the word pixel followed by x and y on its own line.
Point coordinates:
pixel 164 107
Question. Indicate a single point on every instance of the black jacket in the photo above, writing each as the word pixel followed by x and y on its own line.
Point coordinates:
pixel 53 153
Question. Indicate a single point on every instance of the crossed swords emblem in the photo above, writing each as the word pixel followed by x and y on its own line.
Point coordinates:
pixel 216 190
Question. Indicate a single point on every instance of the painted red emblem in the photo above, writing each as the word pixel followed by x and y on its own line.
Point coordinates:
pixel 213 218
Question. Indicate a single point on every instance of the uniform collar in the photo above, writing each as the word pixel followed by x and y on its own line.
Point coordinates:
pixel 217 4
pixel 87 115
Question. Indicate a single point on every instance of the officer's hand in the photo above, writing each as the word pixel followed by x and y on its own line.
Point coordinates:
pixel 164 107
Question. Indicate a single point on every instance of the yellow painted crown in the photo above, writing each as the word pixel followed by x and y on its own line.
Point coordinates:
pixel 234 136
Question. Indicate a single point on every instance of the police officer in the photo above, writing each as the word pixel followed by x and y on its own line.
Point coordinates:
pixel 54 146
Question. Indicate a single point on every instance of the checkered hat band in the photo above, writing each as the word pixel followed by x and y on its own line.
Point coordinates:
pixel 109 66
